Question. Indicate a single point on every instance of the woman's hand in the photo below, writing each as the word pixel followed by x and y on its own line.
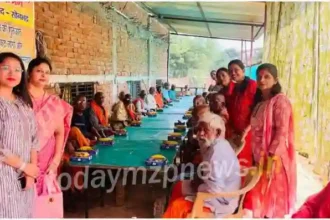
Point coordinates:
pixel 29 183
pixel 31 170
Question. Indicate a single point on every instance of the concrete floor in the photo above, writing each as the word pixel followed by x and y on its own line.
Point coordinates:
pixel 140 198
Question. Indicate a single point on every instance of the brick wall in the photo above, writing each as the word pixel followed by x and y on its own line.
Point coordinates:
pixel 79 41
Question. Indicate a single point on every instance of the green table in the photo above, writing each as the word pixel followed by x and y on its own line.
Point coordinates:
pixel 140 143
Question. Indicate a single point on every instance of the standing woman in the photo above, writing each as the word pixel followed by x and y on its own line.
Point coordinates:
pixel 239 106
pixel 212 81
pixel 239 109
pixel 53 116
pixel 224 80
pixel 18 140
pixel 273 141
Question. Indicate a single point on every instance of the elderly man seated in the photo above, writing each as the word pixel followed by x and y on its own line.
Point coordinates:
pixel 222 173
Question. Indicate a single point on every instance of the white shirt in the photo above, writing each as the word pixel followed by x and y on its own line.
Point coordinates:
pixel 150 102
pixel 139 107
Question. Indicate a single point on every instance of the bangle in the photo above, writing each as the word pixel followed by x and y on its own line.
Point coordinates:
pixel 22 167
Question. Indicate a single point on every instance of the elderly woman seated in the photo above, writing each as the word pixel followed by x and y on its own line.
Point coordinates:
pixel 222 173
pixel 80 127
pixel 198 100
pixel 119 117
pixel 131 109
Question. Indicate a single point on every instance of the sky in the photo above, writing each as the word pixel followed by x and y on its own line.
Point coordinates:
pixel 237 44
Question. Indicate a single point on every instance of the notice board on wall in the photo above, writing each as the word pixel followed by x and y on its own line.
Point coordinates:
pixel 17 33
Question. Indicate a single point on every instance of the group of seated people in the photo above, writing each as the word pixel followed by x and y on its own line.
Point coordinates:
pixel 94 121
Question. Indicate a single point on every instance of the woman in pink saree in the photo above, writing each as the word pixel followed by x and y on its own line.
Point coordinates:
pixel 53 117
pixel 273 148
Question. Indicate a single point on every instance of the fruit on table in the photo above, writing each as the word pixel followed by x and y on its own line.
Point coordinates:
pixel 81 154
pixel 158 157
pixel 175 134
pixel 106 139
pixel 170 142
pixel 87 148
pixel 181 126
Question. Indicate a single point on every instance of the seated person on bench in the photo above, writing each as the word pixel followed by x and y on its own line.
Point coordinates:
pixel 222 174
pixel 79 129
pixel 159 97
pixel 99 117
pixel 172 93
pixel 119 117
pixel 131 109
pixel 150 100
pixel 139 103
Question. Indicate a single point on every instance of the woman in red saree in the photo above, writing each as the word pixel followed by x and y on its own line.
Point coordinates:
pixel 274 196
pixel 53 116
pixel 225 81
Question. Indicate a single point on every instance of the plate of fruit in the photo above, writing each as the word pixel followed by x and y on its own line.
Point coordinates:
pixel 136 124
pixel 152 114
pixel 179 123
pixel 107 141
pixel 81 157
pixel 121 133
pixel 88 149
pixel 176 136
pixel 156 161
pixel 167 145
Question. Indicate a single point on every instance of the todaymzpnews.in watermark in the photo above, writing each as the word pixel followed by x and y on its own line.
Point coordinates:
pixel 96 178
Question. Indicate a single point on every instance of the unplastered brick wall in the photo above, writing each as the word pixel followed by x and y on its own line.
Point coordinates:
pixel 132 55
pixel 77 42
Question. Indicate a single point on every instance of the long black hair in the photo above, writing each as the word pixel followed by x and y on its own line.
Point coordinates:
pixel 36 62
pixel 21 89
pixel 276 89
pixel 246 79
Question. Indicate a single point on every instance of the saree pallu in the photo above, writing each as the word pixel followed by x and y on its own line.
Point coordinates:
pixel 50 113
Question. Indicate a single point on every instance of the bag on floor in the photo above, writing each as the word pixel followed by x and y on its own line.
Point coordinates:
pixel 50 203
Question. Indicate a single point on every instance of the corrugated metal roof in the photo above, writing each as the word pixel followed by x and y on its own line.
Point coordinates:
pixel 223 20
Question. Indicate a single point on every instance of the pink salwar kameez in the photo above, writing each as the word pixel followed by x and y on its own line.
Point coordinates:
pixel 50 111
pixel 273 134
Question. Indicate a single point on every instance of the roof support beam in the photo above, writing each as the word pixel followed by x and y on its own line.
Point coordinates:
pixel 203 15
pixel 221 38
pixel 255 36
pixel 157 17
pixel 208 21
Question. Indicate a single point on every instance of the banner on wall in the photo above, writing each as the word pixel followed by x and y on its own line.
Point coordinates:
pixel 17 29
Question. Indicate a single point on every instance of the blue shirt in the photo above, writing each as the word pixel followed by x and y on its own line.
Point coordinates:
pixel 172 94
pixel 165 93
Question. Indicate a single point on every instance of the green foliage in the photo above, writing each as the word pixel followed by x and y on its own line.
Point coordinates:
pixel 196 57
